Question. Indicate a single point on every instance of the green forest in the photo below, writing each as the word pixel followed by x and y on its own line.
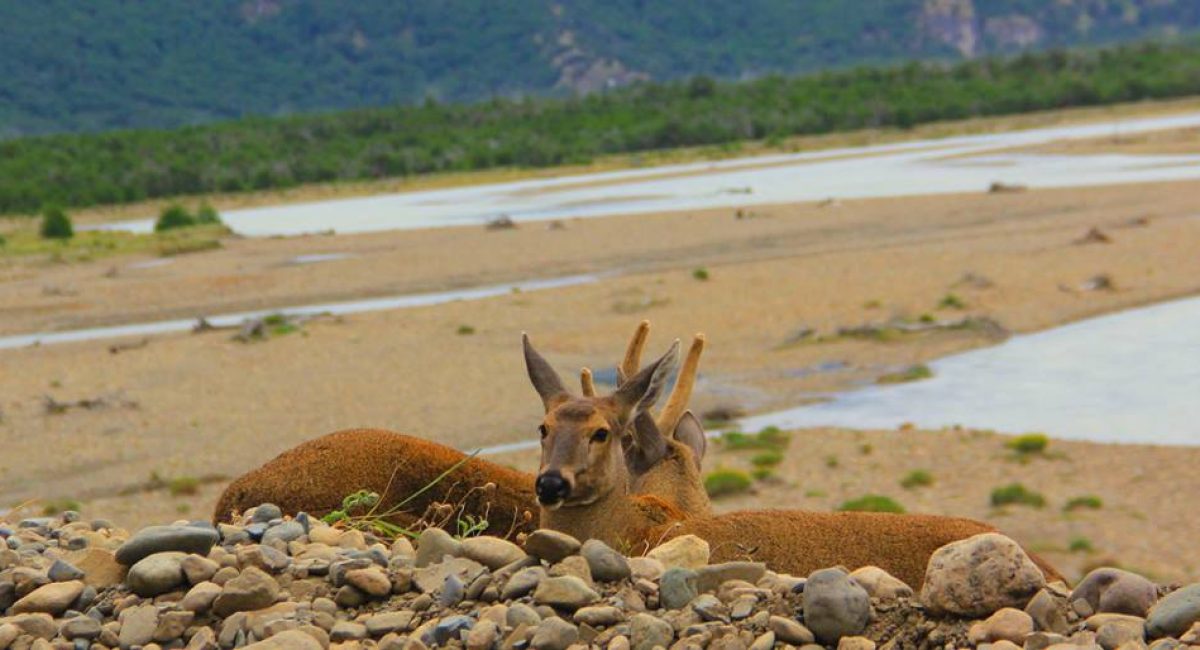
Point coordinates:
pixel 259 153
pixel 71 66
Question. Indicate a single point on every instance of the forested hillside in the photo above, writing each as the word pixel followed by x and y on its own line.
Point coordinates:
pixel 258 153
pixel 67 65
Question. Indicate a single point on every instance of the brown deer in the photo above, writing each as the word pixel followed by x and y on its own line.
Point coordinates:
pixel 316 475
pixel 583 488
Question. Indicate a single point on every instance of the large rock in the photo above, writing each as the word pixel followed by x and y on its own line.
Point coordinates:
pixel 551 545
pixel 159 539
pixel 1116 591
pixel 565 592
pixel 979 575
pixel 491 552
pixel 606 565
pixel 685 551
pixel 834 605
pixel 156 574
pixel 53 599
pixel 1175 613
pixel 434 544
pixel 251 590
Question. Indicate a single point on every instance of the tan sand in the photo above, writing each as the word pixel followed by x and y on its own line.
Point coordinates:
pixel 208 405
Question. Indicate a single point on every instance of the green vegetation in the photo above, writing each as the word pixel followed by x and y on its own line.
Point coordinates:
pixel 872 503
pixel 1087 501
pixel 183 485
pixel 61 505
pixel 951 301
pixel 770 438
pixel 723 482
pixel 25 240
pixel 1028 444
pixel 916 478
pixel 911 373
pixel 1015 493
pixel 56 224
pixel 767 458
pixel 465 330
pixel 1080 545
pixel 175 216
pixel 831 462
pixel 259 153
pixel 700 274
pixel 762 473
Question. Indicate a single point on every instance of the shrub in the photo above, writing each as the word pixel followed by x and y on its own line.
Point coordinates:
pixel 770 438
pixel 56 224
pixel 762 473
pixel 58 506
pixel 1089 501
pixel 1080 545
pixel 700 274
pixel 1015 493
pixel 916 478
pixel 1029 443
pixel 831 462
pixel 767 459
pixel 207 215
pixel 3 241
pixel 172 217
pixel 723 482
pixel 951 301
pixel 465 330
pixel 183 485
pixel 872 503
pixel 911 373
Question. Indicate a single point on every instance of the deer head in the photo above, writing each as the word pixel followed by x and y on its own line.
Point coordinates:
pixel 582 454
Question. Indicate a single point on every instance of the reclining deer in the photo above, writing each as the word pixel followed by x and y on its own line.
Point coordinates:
pixel 584 489
pixel 316 475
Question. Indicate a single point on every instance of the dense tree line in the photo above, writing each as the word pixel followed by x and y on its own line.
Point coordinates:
pixel 71 66
pixel 260 153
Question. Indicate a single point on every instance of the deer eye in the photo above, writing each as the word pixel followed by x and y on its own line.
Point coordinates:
pixel 600 435
pixel 542 430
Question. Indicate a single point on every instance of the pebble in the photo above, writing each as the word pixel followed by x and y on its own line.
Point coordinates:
pixel 709 578
pixel 251 590
pixel 288 531
pixel 159 539
pixel 289 640
pixel 156 574
pixel 522 582
pixel 1007 624
pixel 53 598
pixel 566 592
pixel 677 588
pixel 834 605
pixel 434 544
pixel 980 575
pixel 685 551
pixel 1048 612
pixel 1116 591
pixel 881 584
pixel 138 625
pixel 790 631
pixel 554 634
pixel 372 581
pixel 605 564
pixel 551 545
pixel 61 571
pixel 1175 613
pixel 647 632
pixel 598 616
pixel 491 552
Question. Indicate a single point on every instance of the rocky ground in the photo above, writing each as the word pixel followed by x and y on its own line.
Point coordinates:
pixel 274 582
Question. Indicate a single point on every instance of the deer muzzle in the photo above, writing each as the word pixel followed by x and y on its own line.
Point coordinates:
pixel 552 489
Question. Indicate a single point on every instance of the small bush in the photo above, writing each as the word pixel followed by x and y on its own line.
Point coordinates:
pixel 1029 443
pixel 3 241
pixel 831 462
pixel 872 304
pixel 1015 493
pixel 767 459
pixel 866 449
pixel 911 373
pixel 56 224
pixel 172 217
pixel 207 215
pixel 465 330
pixel 59 506
pixel 916 478
pixel 724 482
pixel 1089 501
pixel 700 274
pixel 183 485
pixel 816 494
pixel 1080 545
pixel 951 301
pixel 762 473
pixel 770 438
pixel 872 503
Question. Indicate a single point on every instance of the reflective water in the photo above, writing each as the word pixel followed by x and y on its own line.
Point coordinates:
pixel 958 164
pixel 350 307
pixel 1129 377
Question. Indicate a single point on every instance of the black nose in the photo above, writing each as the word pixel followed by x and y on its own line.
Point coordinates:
pixel 551 487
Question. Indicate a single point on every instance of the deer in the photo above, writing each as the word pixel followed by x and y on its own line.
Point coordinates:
pixel 584 488
pixel 316 475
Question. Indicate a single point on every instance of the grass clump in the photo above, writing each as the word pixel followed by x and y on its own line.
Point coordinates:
pixel 768 458
pixel 700 274
pixel 175 217
pixel 56 224
pixel 723 482
pixel 911 373
pixel 183 486
pixel 832 462
pixel 951 301
pixel 1088 501
pixel 872 503
pixel 762 473
pixel 465 330
pixel 1080 545
pixel 57 506
pixel 1028 444
pixel 916 478
pixel 1018 494
pixel 770 438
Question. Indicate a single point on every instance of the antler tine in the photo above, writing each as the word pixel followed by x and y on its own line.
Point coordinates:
pixel 633 354
pixel 586 382
pixel 681 394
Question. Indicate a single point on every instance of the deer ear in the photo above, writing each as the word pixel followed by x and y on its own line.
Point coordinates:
pixel 543 377
pixel 649 445
pixel 642 390
pixel 690 432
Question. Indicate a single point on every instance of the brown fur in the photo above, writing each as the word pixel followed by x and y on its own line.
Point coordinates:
pixel 316 475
